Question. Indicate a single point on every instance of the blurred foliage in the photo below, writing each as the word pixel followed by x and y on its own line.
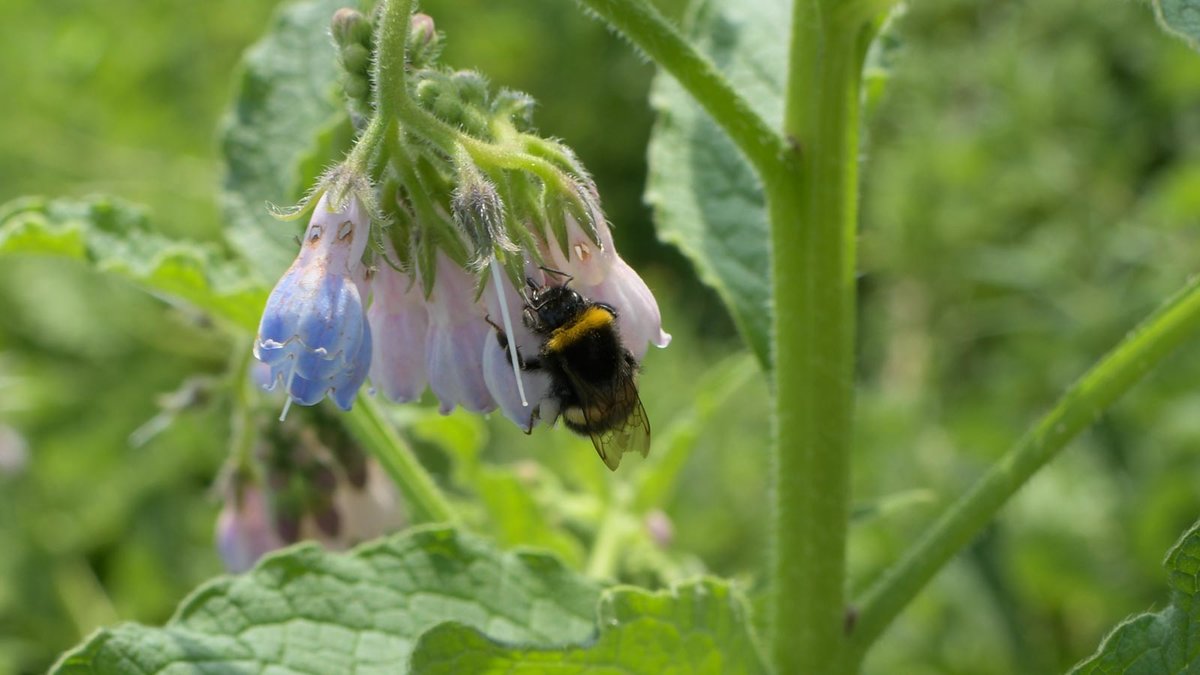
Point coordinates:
pixel 1030 191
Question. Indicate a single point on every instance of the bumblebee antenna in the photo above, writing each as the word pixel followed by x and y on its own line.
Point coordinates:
pixel 559 274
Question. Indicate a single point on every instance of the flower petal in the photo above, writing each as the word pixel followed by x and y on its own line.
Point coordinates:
pixel 400 323
pixel 454 343
pixel 587 263
pixel 314 333
pixel 638 317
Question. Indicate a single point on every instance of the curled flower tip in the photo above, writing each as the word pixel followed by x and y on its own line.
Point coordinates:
pixel 314 333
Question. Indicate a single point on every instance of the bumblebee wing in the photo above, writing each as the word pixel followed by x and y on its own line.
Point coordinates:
pixel 612 437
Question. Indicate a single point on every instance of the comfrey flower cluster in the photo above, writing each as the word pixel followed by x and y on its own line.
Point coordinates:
pixel 404 277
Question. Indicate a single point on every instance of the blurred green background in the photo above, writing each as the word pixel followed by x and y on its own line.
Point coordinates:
pixel 1031 189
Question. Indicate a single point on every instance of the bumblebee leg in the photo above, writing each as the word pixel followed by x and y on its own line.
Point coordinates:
pixel 502 338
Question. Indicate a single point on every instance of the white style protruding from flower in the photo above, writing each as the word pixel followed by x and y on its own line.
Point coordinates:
pixel 314 333
pixel 497 366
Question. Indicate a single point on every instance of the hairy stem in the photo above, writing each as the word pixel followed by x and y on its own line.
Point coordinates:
pixel 812 206
pixel 1078 408
pixel 387 70
pixel 642 23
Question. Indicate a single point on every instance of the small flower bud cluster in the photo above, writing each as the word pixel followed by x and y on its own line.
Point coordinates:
pixel 309 481
pixel 410 264
pixel 352 35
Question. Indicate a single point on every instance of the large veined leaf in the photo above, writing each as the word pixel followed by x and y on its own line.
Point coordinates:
pixel 706 198
pixel 1167 641
pixel 698 628
pixel 284 99
pixel 1180 17
pixel 114 237
pixel 308 611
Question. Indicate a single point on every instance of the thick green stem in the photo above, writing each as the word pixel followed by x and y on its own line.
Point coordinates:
pixel 812 206
pixel 1078 408
pixel 387 71
pixel 369 425
pixel 639 21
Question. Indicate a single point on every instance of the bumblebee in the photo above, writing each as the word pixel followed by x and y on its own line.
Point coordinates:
pixel 592 374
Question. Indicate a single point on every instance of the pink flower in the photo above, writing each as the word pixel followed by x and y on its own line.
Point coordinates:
pixel 585 261
pixel 455 341
pixel 598 273
pixel 638 319
pixel 400 321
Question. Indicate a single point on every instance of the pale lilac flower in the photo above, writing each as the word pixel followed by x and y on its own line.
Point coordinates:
pixel 399 320
pixel 638 318
pixel 314 333
pixel 455 341
pixel 599 274
pixel 245 529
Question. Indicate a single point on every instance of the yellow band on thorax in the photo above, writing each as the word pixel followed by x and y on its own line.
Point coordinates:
pixel 592 318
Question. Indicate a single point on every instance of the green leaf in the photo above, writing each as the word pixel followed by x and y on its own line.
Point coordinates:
pixel 516 516
pixel 1181 18
pixel 284 101
pixel 308 611
pixel 113 236
pixel 701 627
pixel 1167 641
pixel 706 198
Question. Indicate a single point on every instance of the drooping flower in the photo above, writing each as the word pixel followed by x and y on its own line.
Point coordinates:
pixel 590 260
pixel 399 320
pixel 245 530
pixel 591 265
pixel 638 319
pixel 454 344
pixel 314 332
